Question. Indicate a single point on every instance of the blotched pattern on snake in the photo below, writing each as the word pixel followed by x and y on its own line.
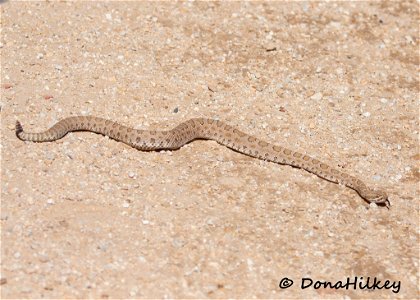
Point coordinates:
pixel 201 128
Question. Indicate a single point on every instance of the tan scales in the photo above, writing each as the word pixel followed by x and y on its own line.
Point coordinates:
pixel 201 128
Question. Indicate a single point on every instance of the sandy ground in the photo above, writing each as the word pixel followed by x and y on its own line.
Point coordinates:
pixel 88 217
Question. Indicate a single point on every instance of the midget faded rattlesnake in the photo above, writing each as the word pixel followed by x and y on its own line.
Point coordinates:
pixel 201 128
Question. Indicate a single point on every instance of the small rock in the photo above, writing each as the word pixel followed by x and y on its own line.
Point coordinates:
pixel 3 280
pixel 58 67
pixel 270 46
pixel 384 100
pixel 7 86
pixel 133 292
pixel 316 96
pixel 377 177
pixel 177 243
pixel 103 246
pixel 131 174
pixel 176 110
pixel 43 258
pixel 269 36
pixel 126 204
pixel 40 56
pixel 366 114
pixel 50 155
pixel 48 97
pixel 409 39
pixel 50 201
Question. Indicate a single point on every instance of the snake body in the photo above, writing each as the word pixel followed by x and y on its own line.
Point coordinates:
pixel 201 128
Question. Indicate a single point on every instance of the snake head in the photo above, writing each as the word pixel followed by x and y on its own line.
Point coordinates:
pixel 376 196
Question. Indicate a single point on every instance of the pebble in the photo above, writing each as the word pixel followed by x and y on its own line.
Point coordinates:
pixel 39 56
pixel 50 155
pixel 377 177
pixel 384 100
pixel 50 201
pixel 103 246
pixel 177 243
pixel 131 174
pixel 126 204
pixel 270 47
pixel 30 200
pixel 317 96
pixel 43 258
pixel 409 39
pixel 366 114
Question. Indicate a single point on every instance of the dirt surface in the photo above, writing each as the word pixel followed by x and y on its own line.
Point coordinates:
pixel 88 217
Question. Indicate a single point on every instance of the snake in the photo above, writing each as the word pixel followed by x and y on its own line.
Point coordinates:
pixel 207 129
